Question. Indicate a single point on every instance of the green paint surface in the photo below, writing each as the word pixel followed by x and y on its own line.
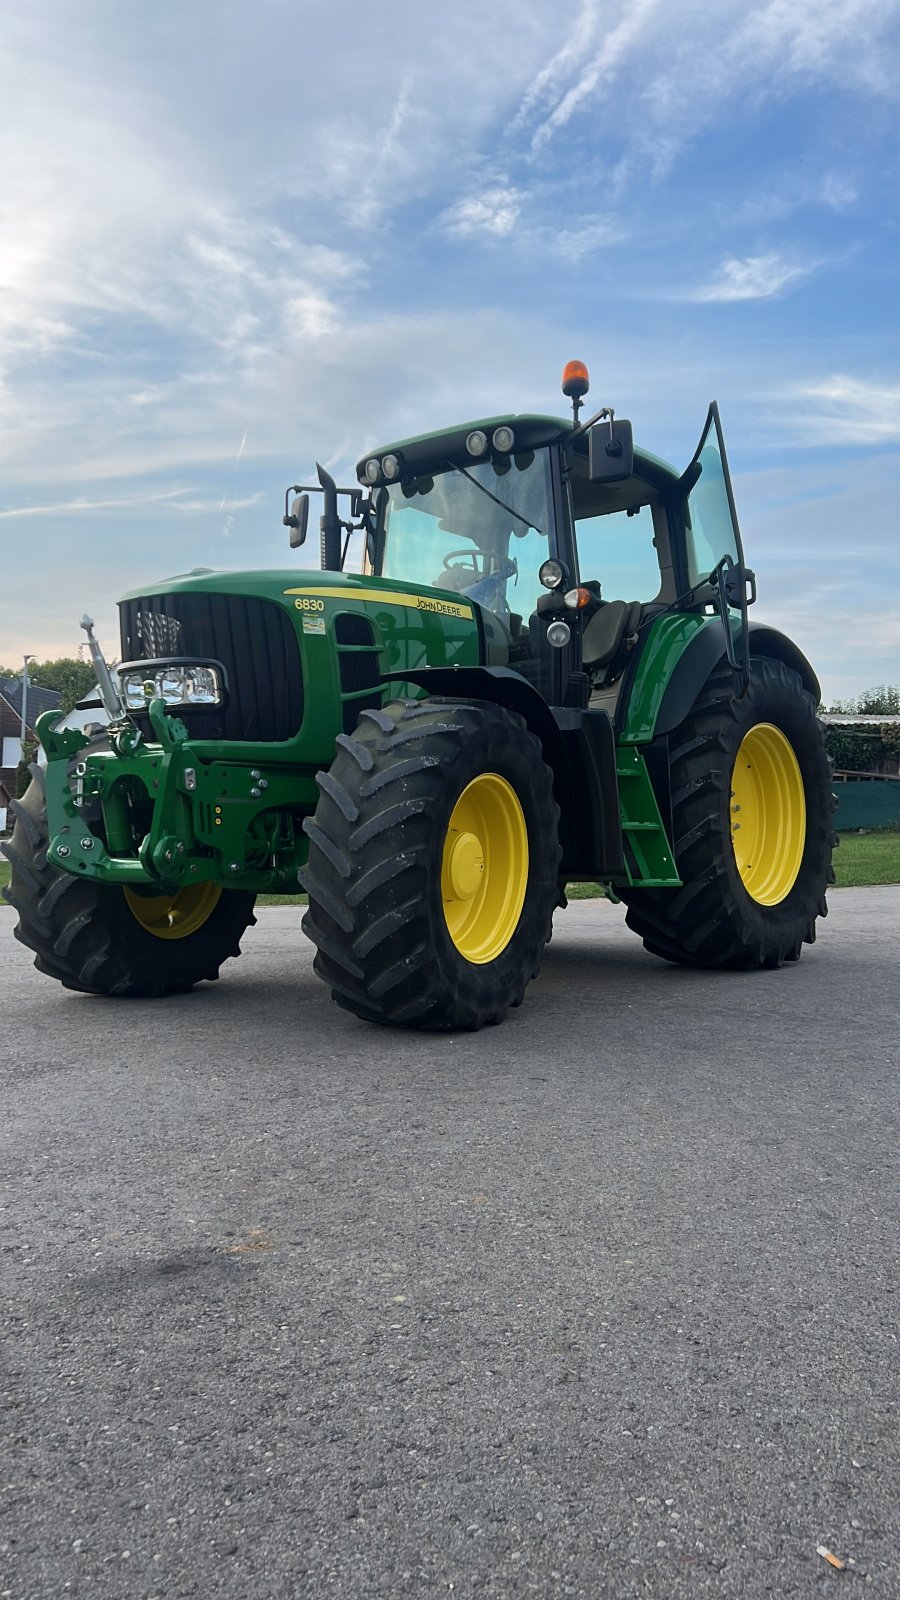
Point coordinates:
pixel 669 638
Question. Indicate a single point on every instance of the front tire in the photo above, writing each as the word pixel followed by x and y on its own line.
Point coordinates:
pixel 752 827
pixel 101 939
pixel 433 865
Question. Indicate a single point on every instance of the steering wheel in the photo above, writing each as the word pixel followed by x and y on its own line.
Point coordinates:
pixel 468 558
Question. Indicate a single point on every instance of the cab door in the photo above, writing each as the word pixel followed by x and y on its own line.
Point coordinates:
pixel 714 555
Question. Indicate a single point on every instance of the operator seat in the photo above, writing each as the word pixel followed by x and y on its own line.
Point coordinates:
pixel 616 623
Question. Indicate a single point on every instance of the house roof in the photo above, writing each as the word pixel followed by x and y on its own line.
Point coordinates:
pixel 841 719
pixel 38 699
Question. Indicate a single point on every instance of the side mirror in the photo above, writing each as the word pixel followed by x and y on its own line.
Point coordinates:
pixel 297 520
pixel 610 452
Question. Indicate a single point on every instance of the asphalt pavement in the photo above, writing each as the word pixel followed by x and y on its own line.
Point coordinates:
pixel 601 1302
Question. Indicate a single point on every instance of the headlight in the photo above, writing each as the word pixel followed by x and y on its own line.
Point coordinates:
pixel 551 574
pixel 476 444
pixel 390 466
pixel 178 683
pixel 503 439
pixel 373 470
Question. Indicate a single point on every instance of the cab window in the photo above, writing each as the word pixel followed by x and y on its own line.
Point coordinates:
pixel 616 549
pixel 615 529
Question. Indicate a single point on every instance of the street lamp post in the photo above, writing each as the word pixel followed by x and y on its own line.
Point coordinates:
pixel 25 686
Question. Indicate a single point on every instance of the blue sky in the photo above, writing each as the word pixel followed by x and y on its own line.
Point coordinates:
pixel 237 238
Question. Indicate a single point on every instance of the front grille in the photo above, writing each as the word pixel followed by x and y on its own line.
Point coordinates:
pixel 254 641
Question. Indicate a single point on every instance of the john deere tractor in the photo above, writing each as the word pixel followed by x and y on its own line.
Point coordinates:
pixel 541 670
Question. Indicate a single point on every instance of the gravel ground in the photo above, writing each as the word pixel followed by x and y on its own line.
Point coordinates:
pixel 602 1302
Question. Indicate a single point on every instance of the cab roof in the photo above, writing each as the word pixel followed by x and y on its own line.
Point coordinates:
pixel 448 446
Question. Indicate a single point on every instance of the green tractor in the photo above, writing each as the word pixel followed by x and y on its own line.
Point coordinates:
pixel 544 672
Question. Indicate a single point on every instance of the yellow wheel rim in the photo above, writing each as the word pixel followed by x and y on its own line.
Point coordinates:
pixel 484 871
pixel 174 916
pixel 768 814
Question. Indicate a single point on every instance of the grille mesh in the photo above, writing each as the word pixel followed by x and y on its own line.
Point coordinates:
pixel 255 643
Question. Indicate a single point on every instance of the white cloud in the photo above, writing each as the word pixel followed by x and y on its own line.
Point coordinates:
pixel 492 213
pixel 662 70
pixel 598 71
pixel 164 499
pixel 789 191
pixel 547 85
pixel 753 278
pixel 587 237
pixel 847 409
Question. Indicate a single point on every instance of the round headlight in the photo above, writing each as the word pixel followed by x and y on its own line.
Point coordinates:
pixel 551 574
pixel 373 470
pixel 476 444
pixel 503 439
pixel 559 634
pixel 390 466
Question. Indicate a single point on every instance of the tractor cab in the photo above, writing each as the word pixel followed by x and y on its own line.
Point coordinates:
pixel 568 539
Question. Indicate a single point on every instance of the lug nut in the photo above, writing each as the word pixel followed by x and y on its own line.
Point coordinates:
pixel 255 792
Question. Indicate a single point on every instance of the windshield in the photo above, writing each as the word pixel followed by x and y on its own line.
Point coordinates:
pixel 445 530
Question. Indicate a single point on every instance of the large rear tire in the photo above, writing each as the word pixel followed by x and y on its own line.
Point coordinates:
pixel 752 827
pixel 101 939
pixel 433 865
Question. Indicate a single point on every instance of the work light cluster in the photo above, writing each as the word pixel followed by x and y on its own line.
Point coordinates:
pixel 502 442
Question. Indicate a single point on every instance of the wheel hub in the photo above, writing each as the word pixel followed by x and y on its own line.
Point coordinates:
pixel 484 869
pixel 465 865
pixel 768 814
pixel 174 916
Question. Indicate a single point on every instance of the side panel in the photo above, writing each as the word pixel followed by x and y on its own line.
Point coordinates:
pixel 397 630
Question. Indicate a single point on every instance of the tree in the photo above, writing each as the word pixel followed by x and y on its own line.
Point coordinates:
pixel 882 701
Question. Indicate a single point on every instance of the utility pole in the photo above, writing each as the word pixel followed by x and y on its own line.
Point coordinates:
pixel 25 686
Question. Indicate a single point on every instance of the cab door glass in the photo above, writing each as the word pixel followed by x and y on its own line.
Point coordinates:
pixel 711 531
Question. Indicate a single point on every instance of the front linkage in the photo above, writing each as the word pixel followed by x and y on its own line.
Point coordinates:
pixel 157 817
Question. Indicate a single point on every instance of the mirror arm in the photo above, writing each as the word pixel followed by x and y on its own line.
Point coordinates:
pixel 605 412
pixel 719 583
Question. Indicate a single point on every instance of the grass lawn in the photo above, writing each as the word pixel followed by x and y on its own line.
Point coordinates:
pixel 861 859
pixel 865 858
